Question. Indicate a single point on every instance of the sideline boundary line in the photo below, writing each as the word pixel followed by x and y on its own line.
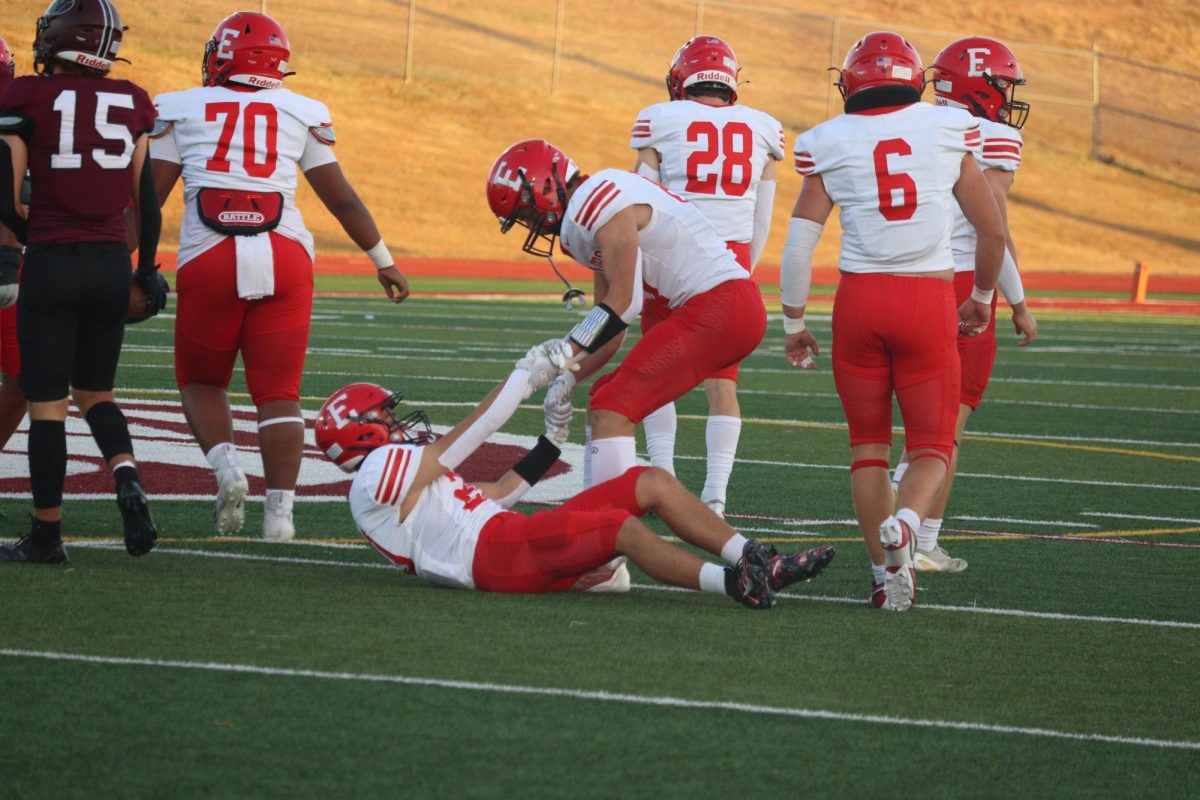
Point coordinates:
pixel 602 696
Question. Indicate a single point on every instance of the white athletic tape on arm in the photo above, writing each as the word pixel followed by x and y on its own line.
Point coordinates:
pixel 634 310
pixel 647 171
pixel 793 325
pixel 1010 280
pixel 764 204
pixel 489 421
pixel 795 270
pixel 380 255
pixel 982 295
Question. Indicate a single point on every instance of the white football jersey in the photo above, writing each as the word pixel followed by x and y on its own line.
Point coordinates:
pixel 713 156
pixel 1001 150
pixel 682 256
pixel 893 177
pixel 436 541
pixel 241 140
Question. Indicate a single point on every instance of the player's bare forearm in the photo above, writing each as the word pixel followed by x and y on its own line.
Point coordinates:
pixel 978 204
pixel 166 175
pixel 592 363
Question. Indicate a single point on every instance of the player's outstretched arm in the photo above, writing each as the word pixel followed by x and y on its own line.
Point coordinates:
pixel 347 207
pixel 513 485
pixel 812 209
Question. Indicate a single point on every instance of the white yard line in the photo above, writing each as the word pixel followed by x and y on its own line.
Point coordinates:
pixel 600 696
pixel 1002 612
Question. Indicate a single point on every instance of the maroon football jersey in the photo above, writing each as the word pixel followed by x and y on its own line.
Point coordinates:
pixel 80 132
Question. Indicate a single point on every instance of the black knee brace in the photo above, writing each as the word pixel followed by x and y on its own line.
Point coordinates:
pixel 47 461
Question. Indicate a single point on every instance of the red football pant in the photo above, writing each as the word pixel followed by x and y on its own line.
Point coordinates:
pixel 977 354
pixel 655 309
pixel 212 323
pixel 897 333
pixel 550 550
pixel 706 334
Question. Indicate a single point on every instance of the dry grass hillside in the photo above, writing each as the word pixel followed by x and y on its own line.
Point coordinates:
pixel 419 152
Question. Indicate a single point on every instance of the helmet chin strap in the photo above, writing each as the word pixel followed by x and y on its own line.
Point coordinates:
pixel 571 296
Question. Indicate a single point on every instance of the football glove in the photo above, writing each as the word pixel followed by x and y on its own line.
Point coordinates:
pixel 10 262
pixel 151 281
pixel 558 408
pixel 546 361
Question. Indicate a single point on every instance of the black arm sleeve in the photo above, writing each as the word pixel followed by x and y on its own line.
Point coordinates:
pixel 150 216
pixel 538 461
pixel 8 201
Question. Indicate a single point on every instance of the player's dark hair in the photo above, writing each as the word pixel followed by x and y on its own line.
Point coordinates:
pixel 882 97
pixel 709 89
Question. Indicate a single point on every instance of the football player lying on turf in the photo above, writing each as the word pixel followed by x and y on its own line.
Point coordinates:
pixel 416 511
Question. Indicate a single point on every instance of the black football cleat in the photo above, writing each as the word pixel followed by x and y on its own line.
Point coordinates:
pixel 749 581
pixel 785 569
pixel 30 552
pixel 140 532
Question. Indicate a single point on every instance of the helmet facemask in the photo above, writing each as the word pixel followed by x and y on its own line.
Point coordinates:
pixel 543 225
pixel 412 428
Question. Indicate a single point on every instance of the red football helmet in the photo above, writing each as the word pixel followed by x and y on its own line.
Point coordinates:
pixel 83 32
pixel 8 65
pixel 248 48
pixel 881 58
pixel 358 418
pixel 982 76
pixel 703 59
pixel 527 185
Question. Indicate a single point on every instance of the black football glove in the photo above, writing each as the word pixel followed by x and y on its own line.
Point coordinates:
pixel 151 281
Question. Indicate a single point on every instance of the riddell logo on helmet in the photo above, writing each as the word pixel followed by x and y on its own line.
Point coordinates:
pixel 266 83
pixel 715 76
pixel 91 61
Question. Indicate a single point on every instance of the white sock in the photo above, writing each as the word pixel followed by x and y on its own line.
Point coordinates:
pixel 222 456
pixel 587 457
pixel 280 501
pixel 660 427
pixel 731 551
pixel 611 457
pixel 909 518
pixel 927 536
pixel 721 434
pixel 898 473
pixel 878 572
pixel 126 463
pixel 712 578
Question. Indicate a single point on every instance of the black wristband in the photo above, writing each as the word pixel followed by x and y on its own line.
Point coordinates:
pixel 598 328
pixel 538 461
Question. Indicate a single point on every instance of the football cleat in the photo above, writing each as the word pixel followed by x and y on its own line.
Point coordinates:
pixel 899 588
pixel 27 551
pixel 937 560
pixel 230 511
pixel 140 531
pixel 900 583
pixel 277 526
pixel 876 598
pixel 749 580
pixel 613 578
pixel 784 569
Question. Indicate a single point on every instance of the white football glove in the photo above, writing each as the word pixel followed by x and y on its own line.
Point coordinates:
pixel 8 294
pixel 546 361
pixel 558 408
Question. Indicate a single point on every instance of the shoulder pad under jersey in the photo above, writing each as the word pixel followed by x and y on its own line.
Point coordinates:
pixel 324 134
pixel 161 127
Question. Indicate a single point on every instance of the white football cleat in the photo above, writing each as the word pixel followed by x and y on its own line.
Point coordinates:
pixel 937 560
pixel 717 507
pixel 230 512
pixel 277 519
pixel 900 583
pixel 613 578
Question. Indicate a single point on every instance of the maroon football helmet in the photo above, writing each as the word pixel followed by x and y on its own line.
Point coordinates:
pixel 86 33
pixel 982 76
pixel 881 58
pixel 527 185
pixel 247 48
pixel 358 418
